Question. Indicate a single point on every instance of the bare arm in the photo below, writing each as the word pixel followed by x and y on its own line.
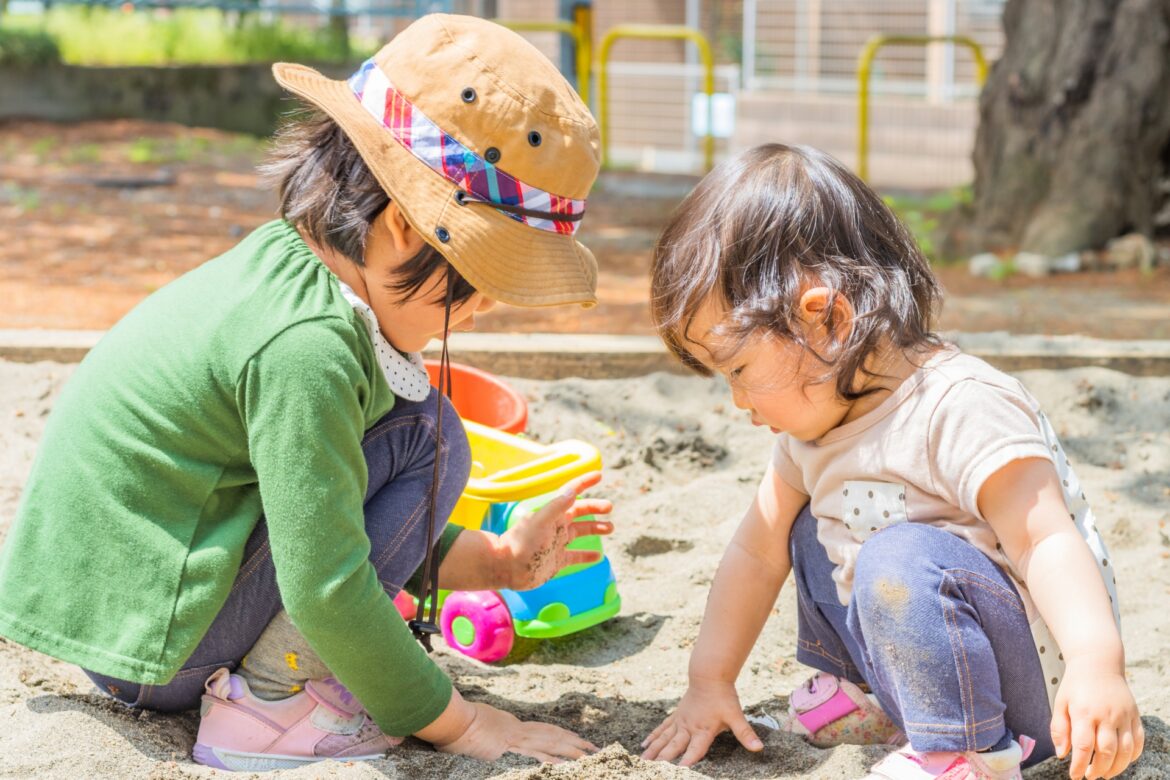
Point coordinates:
pixel 1095 714
pixel 747 582
pixel 745 588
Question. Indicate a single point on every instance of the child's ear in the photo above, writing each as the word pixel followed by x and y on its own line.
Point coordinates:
pixel 407 241
pixel 814 310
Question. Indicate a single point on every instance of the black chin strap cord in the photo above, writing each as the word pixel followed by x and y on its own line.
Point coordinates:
pixel 430 590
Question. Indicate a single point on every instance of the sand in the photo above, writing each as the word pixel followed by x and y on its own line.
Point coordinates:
pixel 681 464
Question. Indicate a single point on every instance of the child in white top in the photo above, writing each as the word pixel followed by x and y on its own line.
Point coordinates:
pixel 952 589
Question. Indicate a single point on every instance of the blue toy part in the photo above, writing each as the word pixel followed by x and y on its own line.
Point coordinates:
pixel 578 597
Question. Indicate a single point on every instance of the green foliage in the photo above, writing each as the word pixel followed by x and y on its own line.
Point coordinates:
pixel 182 149
pixel 102 36
pixel 27 48
pixel 41 148
pixel 924 216
pixel 1002 271
pixel 84 153
pixel 143 150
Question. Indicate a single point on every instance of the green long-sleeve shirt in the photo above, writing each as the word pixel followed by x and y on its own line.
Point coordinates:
pixel 244 386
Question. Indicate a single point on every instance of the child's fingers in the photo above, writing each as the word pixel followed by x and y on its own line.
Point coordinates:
pixel 746 735
pixel 1084 736
pixel 589 528
pixel 700 744
pixel 584 507
pixel 1060 730
pixel 1104 751
pixel 654 734
pixel 574 557
pixel 554 741
pixel 676 746
pixel 1124 754
pixel 542 757
pixel 581 483
pixel 1139 737
pixel 657 743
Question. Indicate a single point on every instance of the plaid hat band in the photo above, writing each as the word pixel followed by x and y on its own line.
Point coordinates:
pixel 459 164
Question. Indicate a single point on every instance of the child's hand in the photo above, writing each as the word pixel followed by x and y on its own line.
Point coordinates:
pixel 533 549
pixel 707 709
pixel 493 732
pixel 1097 719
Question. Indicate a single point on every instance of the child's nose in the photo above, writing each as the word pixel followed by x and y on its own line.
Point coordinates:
pixel 740 399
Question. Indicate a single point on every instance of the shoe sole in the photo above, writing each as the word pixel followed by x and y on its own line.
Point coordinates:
pixel 237 761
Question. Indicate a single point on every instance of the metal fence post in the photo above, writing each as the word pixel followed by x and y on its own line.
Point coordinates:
pixel 865 63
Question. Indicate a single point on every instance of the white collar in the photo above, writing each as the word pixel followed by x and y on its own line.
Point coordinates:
pixel 405 372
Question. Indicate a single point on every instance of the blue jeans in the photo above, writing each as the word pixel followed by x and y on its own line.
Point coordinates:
pixel 935 629
pixel 400 456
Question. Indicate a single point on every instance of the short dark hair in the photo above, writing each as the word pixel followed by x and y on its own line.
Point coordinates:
pixel 328 192
pixel 760 227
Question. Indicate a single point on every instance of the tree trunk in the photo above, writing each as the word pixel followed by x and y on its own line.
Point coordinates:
pixel 1073 146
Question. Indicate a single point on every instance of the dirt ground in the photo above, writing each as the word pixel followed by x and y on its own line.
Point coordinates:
pixel 681 466
pixel 97 215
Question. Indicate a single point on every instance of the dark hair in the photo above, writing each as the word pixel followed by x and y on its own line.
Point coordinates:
pixel 760 228
pixel 327 191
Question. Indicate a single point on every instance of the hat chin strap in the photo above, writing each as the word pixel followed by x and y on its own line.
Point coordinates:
pixel 467 199
pixel 423 629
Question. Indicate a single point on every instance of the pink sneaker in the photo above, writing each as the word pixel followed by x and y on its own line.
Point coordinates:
pixel 908 764
pixel 240 732
pixel 829 711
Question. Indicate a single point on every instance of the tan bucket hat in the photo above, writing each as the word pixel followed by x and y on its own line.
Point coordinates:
pixel 484 146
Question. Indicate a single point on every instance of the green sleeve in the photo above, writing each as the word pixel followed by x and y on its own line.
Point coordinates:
pixel 414 585
pixel 302 399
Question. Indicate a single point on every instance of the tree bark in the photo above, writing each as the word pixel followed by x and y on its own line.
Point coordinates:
pixel 1073 146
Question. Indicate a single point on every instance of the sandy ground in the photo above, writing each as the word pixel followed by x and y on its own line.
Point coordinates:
pixel 681 464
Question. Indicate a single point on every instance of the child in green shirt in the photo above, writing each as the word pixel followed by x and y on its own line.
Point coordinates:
pixel 256 446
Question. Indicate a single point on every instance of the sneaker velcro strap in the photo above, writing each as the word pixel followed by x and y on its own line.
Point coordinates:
pixel 821 702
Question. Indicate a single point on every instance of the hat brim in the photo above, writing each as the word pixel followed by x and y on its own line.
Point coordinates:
pixel 504 259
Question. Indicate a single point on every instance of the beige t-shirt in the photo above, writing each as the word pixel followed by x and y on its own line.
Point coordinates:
pixel 922 456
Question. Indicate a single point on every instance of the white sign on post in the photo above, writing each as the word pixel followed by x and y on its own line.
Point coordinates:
pixel 722 114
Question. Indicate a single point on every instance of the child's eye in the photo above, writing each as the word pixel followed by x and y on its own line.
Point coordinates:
pixel 735 372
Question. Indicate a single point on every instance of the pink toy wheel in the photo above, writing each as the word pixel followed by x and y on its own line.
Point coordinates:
pixel 478 624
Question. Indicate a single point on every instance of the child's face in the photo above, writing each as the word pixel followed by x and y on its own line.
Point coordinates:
pixel 409 325
pixel 770 378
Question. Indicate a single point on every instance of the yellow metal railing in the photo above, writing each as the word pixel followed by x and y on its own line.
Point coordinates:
pixel 654 32
pixel 865 61
pixel 578 30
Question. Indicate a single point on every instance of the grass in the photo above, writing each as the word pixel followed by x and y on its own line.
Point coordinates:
pixel 102 36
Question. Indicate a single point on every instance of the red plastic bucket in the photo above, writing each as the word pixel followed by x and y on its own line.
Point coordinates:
pixel 483 398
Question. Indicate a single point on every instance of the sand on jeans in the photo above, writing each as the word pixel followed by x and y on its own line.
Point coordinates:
pixel 681 464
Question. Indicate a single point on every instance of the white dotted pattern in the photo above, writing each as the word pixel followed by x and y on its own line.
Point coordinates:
pixel 867 507
pixel 406 374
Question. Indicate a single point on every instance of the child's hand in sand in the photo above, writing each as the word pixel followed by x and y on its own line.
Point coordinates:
pixel 1097 719
pixel 491 733
pixel 708 708
pixel 533 550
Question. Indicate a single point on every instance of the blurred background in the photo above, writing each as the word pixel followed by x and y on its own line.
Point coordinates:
pixel 1026 144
